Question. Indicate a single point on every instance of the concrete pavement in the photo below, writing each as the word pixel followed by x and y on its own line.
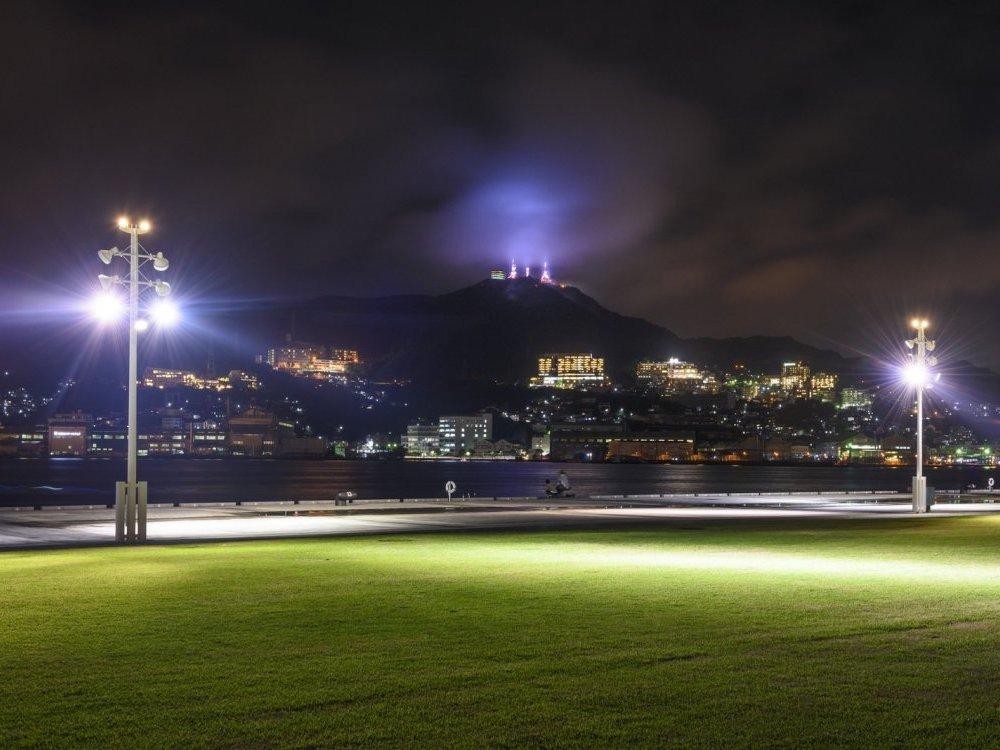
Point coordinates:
pixel 76 526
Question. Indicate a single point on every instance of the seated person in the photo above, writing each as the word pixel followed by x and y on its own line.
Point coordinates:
pixel 562 484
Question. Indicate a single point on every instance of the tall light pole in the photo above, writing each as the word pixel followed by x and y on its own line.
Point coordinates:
pixel 917 373
pixel 130 495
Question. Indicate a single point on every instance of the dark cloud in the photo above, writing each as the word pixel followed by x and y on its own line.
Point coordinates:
pixel 720 170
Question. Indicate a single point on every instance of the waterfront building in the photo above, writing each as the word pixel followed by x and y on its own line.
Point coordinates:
pixel 8 444
pixel 112 442
pixel 498 449
pixel 826 450
pixel 68 434
pixel 308 446
pixel 651 446
pixel 573 370
pixel 498 274
pixel 799 452
pixel 572 441
pixel 26 443
pixel 208 437
pixel 376 446
pixel 253 433
pixel 457 435
pixel 165 443
pixel 422 440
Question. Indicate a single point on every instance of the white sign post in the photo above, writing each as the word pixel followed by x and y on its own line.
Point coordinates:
pixel 449 487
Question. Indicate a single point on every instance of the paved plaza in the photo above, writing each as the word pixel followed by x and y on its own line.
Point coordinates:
pixel 94 525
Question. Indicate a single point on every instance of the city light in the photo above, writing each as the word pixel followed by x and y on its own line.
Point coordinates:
pixel 107 307
pixel 164 313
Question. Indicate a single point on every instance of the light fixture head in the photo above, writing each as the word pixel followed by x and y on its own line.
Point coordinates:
pixel 162 288
pixel 107 307
pixel 160 263
pixel 145 226
pixel 141 324
pixel 107 281
pixel 123 222
pixel 107 255
pixel 916 374
pixel 164 313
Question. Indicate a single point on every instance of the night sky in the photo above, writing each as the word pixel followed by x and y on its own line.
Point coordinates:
pixel 720 169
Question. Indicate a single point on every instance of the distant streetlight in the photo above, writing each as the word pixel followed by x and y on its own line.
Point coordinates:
pixel 917 374
pixel 130 495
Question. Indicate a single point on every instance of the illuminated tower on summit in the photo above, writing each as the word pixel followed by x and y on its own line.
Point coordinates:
pixel 546 277
pixel 527 272
pixel 513 270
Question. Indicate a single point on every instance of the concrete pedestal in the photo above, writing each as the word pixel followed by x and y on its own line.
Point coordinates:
pixel 130 513
pixel 920 500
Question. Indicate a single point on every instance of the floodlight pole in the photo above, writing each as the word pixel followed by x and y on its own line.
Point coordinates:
pixel 920 345
pixel 133 532
pixel 130 495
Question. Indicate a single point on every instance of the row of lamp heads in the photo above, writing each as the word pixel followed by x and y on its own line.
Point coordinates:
pixel 108 306
pixel 917 372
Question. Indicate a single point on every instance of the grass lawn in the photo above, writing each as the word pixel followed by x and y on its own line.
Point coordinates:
pixel 804 632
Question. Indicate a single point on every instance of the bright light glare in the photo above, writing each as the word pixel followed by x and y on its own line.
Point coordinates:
pixel 165 313
pixel 123 222
pixel 144 225
pixel 141 324
pixel 107 307
pixel 916 375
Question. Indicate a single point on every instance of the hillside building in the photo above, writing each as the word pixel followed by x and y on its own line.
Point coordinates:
pixel 574 370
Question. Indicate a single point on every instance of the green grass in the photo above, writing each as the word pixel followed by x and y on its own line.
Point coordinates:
pixel 806 632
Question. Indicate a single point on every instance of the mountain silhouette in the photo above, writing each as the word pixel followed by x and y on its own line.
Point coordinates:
pixel 496 330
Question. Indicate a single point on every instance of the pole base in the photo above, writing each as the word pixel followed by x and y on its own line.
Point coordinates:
pixel 920 504
pixel 121 501
pixel 130 513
